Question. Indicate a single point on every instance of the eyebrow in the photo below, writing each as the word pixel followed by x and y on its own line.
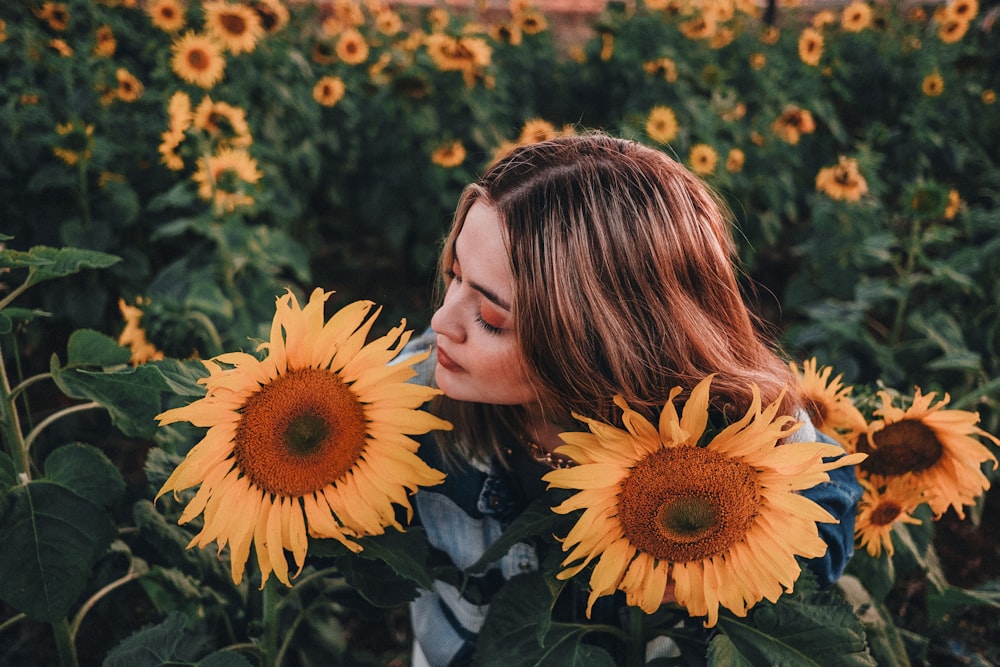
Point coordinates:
pixel 485 291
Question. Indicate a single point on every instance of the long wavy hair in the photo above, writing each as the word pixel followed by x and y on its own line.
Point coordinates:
pixel 625 282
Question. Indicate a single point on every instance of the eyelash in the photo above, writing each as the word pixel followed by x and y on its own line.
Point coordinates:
pixel 489 328
pixel 486 326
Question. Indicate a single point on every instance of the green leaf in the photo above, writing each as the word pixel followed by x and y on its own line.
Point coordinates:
pixel 182 376
pixel 884 640
pixel 170 642
pixel 510 635
pixel 46 263
pixel 132 397
pixel 807 628
pixel 940 604
pixel 377 582
pixel 722 652
pixel 87 347
pixel 85 470
pixel 50 537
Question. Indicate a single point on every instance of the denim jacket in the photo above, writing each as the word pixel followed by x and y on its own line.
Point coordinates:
pixel 468 512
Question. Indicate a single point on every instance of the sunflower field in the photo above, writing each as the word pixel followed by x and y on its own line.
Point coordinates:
pixel 172 170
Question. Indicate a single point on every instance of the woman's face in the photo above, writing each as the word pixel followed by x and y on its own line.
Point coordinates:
pixel 478 356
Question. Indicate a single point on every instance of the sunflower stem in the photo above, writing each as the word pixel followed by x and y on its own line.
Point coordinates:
pixel 11 425
pixel 269 622
pixel 635 651
pixel 64 643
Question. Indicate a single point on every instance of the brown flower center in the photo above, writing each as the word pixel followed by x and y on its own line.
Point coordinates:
pixel 198 59
pixel 885 514
pixel 300 432
pixel 901 447
pixel 688 503
pixel 233 24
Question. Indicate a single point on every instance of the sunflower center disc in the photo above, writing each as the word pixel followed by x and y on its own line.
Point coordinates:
pixel 300 432
pixel 885 514
pixel 688 503
pixel 901 447
pixel 197 60
pixel 232 24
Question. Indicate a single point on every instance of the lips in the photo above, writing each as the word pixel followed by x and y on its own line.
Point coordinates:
pixel 446 362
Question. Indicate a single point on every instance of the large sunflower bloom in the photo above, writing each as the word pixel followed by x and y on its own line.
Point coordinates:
pixel 829 403
pixel 722 521
pixel 932 446
pixel 312 439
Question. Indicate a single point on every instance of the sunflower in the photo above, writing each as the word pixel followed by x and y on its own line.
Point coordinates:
pixel 758 61
pixel 167 15
pixel 842 181
pixel 535 130
pixel 531 22
pixel 607 46
pixel 223 177
pixel 793 123
pixel 661 67
pixel 105 42
pixel 179 111
pixel 133 335
pixel 952 205
pixel 61 47
pixel 169 142
pixel 661 125
pixel 56 14
pixel 388 22
pixel 129 88
pixel 822 18
pixel 273 15
pixel 828 403
pixel 952 31
pixel 225 123
pixel 329 90
pixel 960 10
pixel 735 160
pixel 449 155
pixel 989 96
pixel 352 47
pixel 701 27
pixel 312 439
pixel 703 159
pixel 810 46
pixel 882 508
pixel 934 447
pixel 723 522
pixel 856 17
pixel 237 27
pixel 198 59
pixel 933 85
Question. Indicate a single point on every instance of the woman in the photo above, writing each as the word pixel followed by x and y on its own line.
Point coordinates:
pixel 577 269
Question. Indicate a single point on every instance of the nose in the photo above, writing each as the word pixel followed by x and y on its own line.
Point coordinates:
pixel 446 321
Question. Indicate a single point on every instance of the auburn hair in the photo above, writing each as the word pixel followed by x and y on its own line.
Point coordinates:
pixel 625 282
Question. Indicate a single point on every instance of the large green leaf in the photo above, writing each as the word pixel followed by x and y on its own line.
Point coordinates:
pixel 805 629
pixel 50 538
pixel 170 643
pixel 537 519
pixel 132 396
pixel 517 631
pixel 87 347
pixel 46 263
pixel 86 470
pixel 182 376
